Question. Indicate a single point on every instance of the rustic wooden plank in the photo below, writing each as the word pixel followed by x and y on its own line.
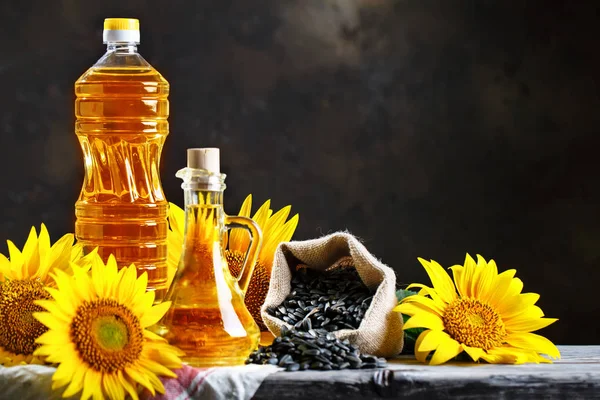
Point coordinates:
pixel 576 375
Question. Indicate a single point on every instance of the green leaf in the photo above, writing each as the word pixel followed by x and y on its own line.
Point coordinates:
pixel 401 294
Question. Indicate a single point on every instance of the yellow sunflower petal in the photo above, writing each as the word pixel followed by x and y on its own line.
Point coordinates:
pixel 176 218
pixel 111 387
pixel 474 352
pixel 469 273
pixel 141 284
pixel 31 255
pixel 516 305
pixel 129 388
pixel 239 238
pixel 54 337
pixel 62 299
pixel 525 324
pixel 428 303
pixel 486 277
pixel 127 285
pixel 274 234
pixel 170 358
pixel 5 267
pixel 54 309
pixel 425 320
pixel 533 342
pixel 64 372
pixel 77 253
pixel 433 340
pixel 509 355
pixel 501 285
pixel 246 208
pixel 76 384
pixel 65 285
pixel 410 309
pixel 498 358
pixel 16 260
pixel 425 290
pixel 91 383
pixel 289 228
pixel 138 376
pixel 515 287
pixel 492 267
pixel 83 287
pixel 60 253
pixel 49 320
pixel 154 315
pixel 262 215
pixel 277 220
pixel 441 281
pixel 458 272
pixel 98 282
pixel 156 383
pixel 157 368
pixel 527 313
pixel 111 274
pixel 421 356
pixel 420 286
pixel 98 395
pixel 448 348
pixel 143 302
pixel 44 243
pixel 153 336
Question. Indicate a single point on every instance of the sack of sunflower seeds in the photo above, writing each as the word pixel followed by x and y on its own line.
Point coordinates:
pixel 333 284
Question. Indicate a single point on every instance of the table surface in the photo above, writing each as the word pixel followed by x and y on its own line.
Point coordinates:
pixel 575 376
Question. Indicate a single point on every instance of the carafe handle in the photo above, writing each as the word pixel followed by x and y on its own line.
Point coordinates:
pixel 252 227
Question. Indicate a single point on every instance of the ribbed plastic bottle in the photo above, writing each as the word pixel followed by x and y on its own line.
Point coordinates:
pixel 122 109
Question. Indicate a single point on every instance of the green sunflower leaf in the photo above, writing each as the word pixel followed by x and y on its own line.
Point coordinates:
pixel 401 294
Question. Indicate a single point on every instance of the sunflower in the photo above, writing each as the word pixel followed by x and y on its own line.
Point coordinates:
pixel 482 313
pixel 97 333
pixel 23 279
pixel 275 229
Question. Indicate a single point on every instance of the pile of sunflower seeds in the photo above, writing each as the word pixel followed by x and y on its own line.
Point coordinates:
pixel 296 350
pixel 318 304
pixel 329 301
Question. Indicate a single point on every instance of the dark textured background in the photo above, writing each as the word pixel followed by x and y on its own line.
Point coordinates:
pixel 428 128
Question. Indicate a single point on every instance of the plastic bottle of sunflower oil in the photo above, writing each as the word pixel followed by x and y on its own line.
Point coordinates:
pixel 122 111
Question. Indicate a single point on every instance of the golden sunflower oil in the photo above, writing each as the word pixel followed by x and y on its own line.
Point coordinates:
pixel 208 319
pixel 122 109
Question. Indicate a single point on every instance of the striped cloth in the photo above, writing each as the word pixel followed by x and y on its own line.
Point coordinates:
pixel 33 382
pixel 222 383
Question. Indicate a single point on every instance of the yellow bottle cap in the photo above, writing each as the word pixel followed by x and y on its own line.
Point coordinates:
pixel 122 24
pixel 121 30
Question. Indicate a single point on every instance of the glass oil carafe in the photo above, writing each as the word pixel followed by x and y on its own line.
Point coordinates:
pixel 208 319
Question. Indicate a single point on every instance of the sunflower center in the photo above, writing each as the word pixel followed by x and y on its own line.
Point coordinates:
pixel 474 323
pixel 110 332
pixel 107 335
pixel 19 328
pixel 258 288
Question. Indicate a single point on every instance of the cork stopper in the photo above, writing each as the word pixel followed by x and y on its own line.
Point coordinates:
pixel 205 158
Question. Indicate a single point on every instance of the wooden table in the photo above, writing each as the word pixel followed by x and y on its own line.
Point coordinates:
pixel 575 376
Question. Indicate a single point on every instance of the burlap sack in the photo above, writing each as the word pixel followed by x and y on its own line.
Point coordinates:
pixel 380 332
